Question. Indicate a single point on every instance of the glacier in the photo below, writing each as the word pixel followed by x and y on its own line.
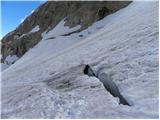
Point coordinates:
pixel 48 81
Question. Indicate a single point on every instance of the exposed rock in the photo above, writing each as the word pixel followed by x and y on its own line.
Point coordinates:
pixel 48 15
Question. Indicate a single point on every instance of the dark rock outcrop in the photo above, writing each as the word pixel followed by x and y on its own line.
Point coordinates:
pixel 48 15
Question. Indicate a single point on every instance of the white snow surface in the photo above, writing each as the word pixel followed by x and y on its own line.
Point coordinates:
pixel 60 29
pixel 47 82
pixel 10 59
pixel 35 29
pixel 4 66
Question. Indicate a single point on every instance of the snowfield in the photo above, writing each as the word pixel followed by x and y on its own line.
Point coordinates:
pixel 35 29
pixel 48 81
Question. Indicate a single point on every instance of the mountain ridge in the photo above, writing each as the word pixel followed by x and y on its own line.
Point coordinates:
pixel 47 16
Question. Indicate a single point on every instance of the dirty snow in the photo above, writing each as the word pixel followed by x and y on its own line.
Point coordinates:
pixel 47 82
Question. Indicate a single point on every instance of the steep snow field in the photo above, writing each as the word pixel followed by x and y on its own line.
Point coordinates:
pixel 48 81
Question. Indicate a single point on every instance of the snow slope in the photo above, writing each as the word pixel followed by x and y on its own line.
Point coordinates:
pixel 60 29
pixel 8 61
pixel 35 29
pixel 48 82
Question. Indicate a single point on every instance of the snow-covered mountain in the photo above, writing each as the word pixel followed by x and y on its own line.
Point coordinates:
pixel 47 16
pixel 53 80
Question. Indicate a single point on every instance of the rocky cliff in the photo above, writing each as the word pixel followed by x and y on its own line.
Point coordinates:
pixel 48 15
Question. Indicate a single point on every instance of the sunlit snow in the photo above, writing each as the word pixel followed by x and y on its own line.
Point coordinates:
pixel 47 82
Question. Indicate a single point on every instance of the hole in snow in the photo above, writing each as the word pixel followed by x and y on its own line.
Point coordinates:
pixel 88 71
pixel 108 83
pixel 80 35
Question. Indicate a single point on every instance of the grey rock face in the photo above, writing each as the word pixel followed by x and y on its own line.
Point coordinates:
pixel 48 15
